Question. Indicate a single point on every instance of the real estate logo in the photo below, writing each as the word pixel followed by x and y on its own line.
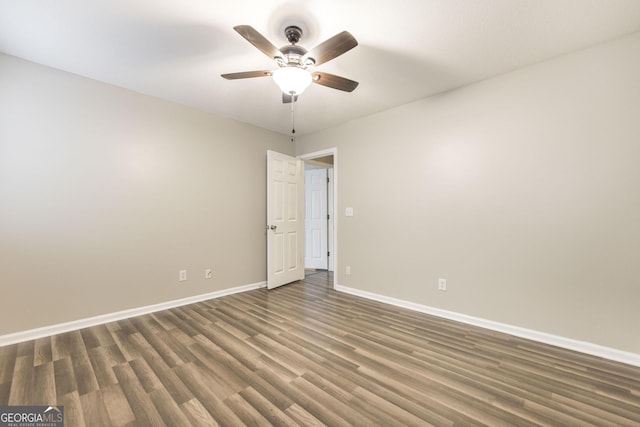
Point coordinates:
pixel 31 416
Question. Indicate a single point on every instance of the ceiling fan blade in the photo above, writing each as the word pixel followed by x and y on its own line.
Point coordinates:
pixel 258 40
pixel 333 81
pixel 286 98
pixel 331 48
pixel 246 74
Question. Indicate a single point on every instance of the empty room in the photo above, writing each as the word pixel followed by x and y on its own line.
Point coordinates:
pixel 320 212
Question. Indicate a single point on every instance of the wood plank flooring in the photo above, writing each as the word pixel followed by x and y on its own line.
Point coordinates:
pixel 304 354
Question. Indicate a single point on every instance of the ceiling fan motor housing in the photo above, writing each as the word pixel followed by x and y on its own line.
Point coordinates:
pixel 293 53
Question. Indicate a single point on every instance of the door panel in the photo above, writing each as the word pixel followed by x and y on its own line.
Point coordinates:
pixel 285 228
pixel 316 218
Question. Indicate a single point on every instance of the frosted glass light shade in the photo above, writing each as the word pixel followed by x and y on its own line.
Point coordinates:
pixel 292 80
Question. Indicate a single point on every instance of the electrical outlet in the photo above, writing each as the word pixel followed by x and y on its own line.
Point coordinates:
pixel 208 273
pixel 442 285
pixel 348 270
pixel 182 275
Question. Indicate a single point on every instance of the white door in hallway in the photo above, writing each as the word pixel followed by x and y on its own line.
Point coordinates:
pixel 285 223
pixel 315 219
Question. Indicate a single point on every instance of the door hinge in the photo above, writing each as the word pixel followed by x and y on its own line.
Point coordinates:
pixel 327 180
pixel 328 253
pixel 328 217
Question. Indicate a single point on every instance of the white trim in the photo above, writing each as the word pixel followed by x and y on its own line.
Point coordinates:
pixel 321 153
pixel 327 152
pixel 567 343
pixel 46 331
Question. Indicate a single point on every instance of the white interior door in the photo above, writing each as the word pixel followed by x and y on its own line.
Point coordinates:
pixel 285 226
pixel 315 218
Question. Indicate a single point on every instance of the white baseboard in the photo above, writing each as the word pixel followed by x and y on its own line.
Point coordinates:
pixel 46 331
pixel 568 343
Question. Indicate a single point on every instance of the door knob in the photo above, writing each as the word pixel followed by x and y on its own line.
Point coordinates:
pixel 273 227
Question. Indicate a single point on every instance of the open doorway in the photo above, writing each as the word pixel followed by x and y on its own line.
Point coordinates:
pixel 317 213
pixel 320 210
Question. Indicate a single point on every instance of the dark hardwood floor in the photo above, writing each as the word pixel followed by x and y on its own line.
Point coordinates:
pixel 304 354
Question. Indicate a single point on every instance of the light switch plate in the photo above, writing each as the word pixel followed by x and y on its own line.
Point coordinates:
pixel 348 211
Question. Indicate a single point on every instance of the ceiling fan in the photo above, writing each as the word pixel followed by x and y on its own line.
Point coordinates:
pixel 294 72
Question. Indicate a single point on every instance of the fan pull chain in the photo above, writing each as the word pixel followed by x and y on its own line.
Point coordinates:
pixel 293 125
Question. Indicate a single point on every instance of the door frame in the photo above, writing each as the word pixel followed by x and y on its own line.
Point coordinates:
pixel 334 214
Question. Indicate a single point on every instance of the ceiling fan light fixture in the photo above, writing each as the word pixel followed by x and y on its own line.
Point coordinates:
pixel 292 80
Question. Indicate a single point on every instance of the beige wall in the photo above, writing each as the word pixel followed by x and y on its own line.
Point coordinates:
pixel 523 191
pixel 106 194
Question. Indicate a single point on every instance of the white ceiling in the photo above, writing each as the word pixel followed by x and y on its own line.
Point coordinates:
pixel 408 49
